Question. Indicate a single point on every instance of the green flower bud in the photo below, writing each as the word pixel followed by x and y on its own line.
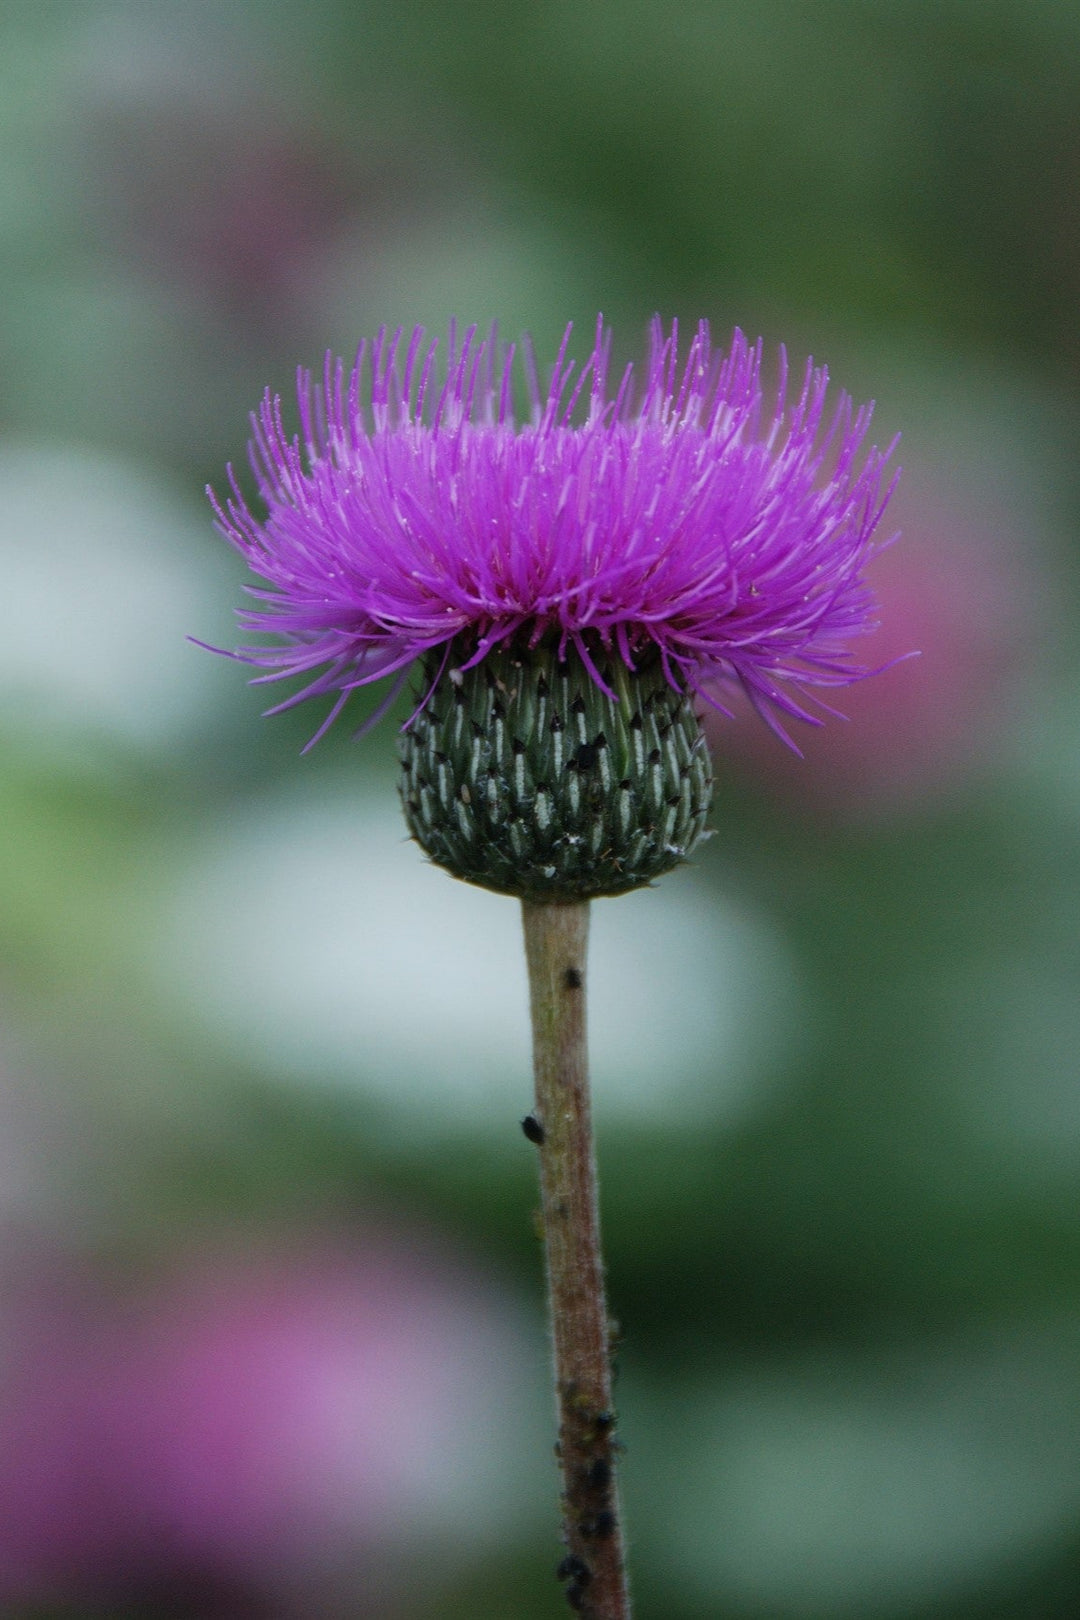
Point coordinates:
pixel 521 775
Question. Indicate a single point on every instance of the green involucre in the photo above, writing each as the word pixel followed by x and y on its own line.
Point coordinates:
pixel 522 776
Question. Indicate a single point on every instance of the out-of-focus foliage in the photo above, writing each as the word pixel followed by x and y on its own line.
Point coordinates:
pixel 262 1069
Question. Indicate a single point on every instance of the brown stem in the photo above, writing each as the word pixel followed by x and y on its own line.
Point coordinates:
pixel 556 938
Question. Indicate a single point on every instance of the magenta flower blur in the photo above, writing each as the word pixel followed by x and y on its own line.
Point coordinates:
pixel 689 520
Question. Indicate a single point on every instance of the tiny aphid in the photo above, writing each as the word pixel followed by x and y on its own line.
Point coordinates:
pixel 573 1568
pixel 533 1129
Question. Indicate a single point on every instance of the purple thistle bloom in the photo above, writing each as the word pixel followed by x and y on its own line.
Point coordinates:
pixel 695 522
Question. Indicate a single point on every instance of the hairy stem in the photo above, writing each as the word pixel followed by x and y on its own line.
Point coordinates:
pixel 556 939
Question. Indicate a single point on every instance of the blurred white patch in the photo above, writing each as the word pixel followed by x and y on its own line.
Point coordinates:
pixel 316 936
pixel 105 574
pixel 853 1485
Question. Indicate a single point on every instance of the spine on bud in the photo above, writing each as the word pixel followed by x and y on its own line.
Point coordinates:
pixel 521 775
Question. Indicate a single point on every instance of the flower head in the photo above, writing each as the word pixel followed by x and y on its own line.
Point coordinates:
pixel 689 524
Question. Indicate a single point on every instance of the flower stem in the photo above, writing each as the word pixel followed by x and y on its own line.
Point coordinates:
pixel 556 939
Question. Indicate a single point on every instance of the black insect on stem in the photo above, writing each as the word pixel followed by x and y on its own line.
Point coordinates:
pixel 577 1575
pixel 533 1129
pixel 573 1569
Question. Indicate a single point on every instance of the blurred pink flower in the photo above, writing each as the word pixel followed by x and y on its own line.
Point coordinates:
pixel 259 1427
pixel 958 594
pixel 232 208
pixel 199 169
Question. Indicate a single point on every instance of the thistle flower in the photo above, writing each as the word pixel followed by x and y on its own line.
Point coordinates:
pixel 629 554
pixel 567 590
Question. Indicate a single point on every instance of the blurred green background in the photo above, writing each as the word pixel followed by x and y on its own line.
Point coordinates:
pixel 271 1338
